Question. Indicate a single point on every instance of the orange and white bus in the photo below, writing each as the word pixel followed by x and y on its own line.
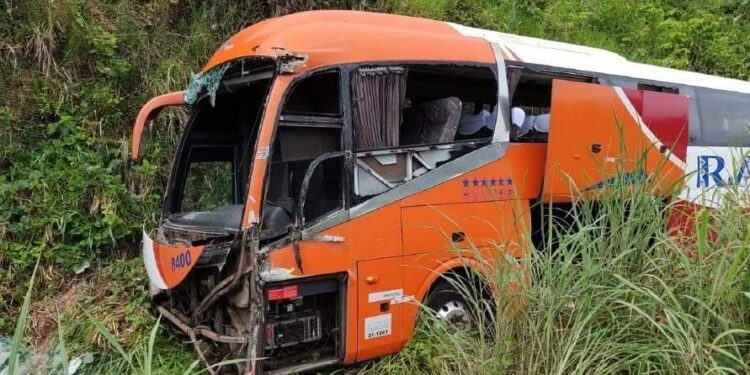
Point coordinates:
pixel 333 161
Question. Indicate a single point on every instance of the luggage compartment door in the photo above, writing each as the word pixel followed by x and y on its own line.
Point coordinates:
pixel 602 136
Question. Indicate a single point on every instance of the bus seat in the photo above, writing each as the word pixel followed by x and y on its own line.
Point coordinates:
pixel 433 122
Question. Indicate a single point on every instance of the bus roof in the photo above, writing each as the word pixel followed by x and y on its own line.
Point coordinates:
pixel 571 56
pixel 340 37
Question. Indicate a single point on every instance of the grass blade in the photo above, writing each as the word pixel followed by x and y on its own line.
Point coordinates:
pixel 110 338
pixel 150 349
pixel 15 346
pixel 192 367
pixel 61 344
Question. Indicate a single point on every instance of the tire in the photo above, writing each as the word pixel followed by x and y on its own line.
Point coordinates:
pixel 449 305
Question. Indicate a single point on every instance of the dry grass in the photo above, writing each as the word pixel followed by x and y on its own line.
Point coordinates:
pixel 43 46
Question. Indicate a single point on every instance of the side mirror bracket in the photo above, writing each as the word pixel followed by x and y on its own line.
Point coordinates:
pixel 148 112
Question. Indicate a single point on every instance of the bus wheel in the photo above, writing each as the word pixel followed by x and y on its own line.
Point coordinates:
pixel 450 306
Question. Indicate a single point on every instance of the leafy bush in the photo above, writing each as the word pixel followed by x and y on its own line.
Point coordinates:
pixel 64 198
pixel 704 36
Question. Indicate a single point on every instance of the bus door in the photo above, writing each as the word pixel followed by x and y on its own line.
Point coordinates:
pixel 603 136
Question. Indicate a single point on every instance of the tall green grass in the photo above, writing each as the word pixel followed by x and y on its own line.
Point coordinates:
pixel 17 340
pixel 616 294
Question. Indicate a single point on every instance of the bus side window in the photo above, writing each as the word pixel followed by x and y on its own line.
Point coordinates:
pixel 531 100
pixel 658 88
pixel 317 95
pixel 448 104
pixel 408 120
pixel 310 126
pixel 421 105
pixel 725 118
pixel 694 131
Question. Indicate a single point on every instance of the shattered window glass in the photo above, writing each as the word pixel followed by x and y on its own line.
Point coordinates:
pixel 209 81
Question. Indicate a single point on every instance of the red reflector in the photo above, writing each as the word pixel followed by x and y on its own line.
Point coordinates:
pixel 286 292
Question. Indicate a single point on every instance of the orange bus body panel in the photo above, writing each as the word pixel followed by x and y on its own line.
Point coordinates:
pixel 464 226
pixel 594 138
pixel 329 39
pixel 254 199
pixel 372 244
pixel 166 257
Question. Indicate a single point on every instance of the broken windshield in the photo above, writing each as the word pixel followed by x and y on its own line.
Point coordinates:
pixel 208 184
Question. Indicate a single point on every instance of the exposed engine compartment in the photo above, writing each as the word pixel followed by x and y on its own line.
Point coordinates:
pixel 303 321
pixel 300 327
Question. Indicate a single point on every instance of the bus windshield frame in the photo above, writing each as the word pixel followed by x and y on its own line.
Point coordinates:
pixel 212 165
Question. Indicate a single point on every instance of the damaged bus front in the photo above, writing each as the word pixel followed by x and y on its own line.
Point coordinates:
pixel 203 262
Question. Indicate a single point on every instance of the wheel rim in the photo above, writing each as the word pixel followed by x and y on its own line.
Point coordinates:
pixel 455 313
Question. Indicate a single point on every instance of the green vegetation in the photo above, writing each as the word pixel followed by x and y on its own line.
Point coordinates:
pixel 74 74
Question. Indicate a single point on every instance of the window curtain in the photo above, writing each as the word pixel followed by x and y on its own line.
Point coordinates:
pixel 378 95
pixel 514 76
